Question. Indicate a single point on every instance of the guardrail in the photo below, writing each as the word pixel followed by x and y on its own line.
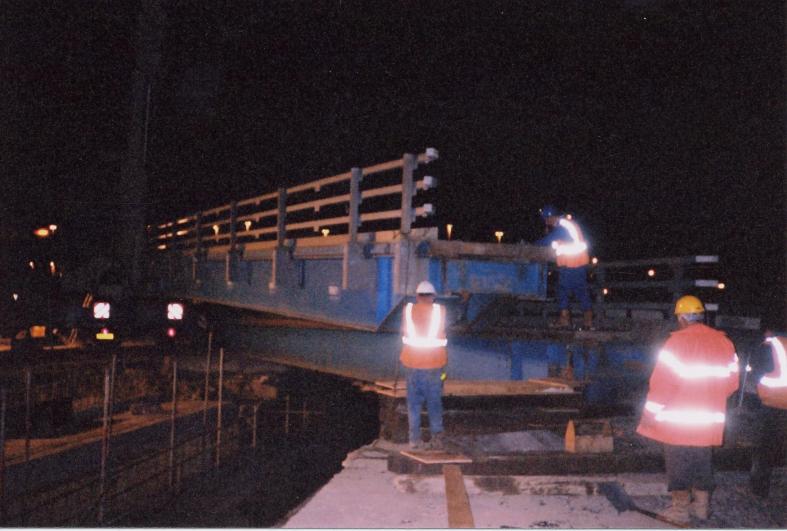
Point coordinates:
pixel 267 217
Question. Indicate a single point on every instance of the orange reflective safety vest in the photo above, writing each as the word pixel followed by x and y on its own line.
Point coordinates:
pixel 573 253
pixel 772 387
pixel 696 370
pixel 423 336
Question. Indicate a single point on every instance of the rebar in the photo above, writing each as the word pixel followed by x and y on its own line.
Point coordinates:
pixel 104 448
pixel 218 418
pixel 2 455
pixel 172 421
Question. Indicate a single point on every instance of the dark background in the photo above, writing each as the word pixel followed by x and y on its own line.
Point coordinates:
pixel 658 124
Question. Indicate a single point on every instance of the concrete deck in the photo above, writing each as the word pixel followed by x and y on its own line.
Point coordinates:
pixel 365 494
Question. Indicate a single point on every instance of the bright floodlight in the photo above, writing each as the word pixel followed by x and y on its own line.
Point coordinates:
pixel 174 311
pixel 101 310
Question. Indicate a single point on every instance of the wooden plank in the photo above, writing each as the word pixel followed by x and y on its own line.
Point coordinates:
pixel 436 457
pixel 479 387
pixel 459 513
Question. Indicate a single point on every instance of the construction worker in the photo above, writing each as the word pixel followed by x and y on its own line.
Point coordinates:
pixel 571 251
pixel 696 371
pixel 772 391
pixel 424 356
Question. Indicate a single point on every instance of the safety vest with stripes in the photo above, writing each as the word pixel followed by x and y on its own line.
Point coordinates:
pixel 573 253
pixel 772 387
pixel 695 372
pixel 423 336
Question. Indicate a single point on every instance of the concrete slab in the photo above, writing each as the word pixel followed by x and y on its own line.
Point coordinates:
pixel 366 494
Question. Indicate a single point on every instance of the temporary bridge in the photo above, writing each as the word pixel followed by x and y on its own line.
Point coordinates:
pixel 325 267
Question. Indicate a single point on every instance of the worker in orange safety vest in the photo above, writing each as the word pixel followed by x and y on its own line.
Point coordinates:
pixel 695 372
pixel 424 355
pixel 772 432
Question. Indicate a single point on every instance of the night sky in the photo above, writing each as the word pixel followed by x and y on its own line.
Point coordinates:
pixel 659 124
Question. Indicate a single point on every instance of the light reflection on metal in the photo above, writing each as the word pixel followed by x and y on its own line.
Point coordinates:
pixel 15 296
pixel 499 235
pixel 31 264
pixel 52 268
pixel 449 229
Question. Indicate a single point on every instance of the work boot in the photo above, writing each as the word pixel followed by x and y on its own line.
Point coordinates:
pixel 437 442
pixel 417 445
pixel 587 320
pixel 564 321
pixel 700 504
pixel 678 512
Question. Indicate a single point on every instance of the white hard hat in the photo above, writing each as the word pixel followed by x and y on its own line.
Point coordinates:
pixel 425 288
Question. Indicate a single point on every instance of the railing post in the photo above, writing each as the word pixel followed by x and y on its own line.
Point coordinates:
pixel 410 163
pixel 229 265
pixel 195 260
pixel 356 175
pixel 218 419
pixel 281 217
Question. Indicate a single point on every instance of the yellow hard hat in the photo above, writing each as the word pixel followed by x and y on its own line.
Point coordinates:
pixel 688 304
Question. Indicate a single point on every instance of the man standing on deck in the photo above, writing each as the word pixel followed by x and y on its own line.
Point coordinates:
pixel 571 251
pixel 696 371
pixel 424 356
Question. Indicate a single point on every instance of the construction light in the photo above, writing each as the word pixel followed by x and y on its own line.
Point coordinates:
pixel 53 228
pixel 175 311
pixel 721 285
pixel 449 229
pixel 43 232
pixel 605 291
pixel 15 296
pixel 595 260
pixel 568 216
pixel 52 268
pixel 101 310
pixel 247 224
pixel 216 230
pixel 325 232
pixel 651 272
pixel 170 332
pixel 499 235
pixel 31 264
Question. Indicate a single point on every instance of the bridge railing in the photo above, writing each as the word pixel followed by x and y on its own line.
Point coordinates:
pixel 296 210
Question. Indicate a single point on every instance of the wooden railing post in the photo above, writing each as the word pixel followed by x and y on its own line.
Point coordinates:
pixel 410 163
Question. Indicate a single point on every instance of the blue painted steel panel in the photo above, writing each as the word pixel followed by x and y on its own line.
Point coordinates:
pixel 384 287
pixel 479 276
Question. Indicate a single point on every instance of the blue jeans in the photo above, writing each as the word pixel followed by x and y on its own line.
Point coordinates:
pixel 424 385
pixel 573 280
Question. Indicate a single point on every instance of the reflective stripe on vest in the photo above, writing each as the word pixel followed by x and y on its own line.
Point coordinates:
pixel 780 363
pixel 431 340
pixel 686 417
pixel 577 245
pixel 697 371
